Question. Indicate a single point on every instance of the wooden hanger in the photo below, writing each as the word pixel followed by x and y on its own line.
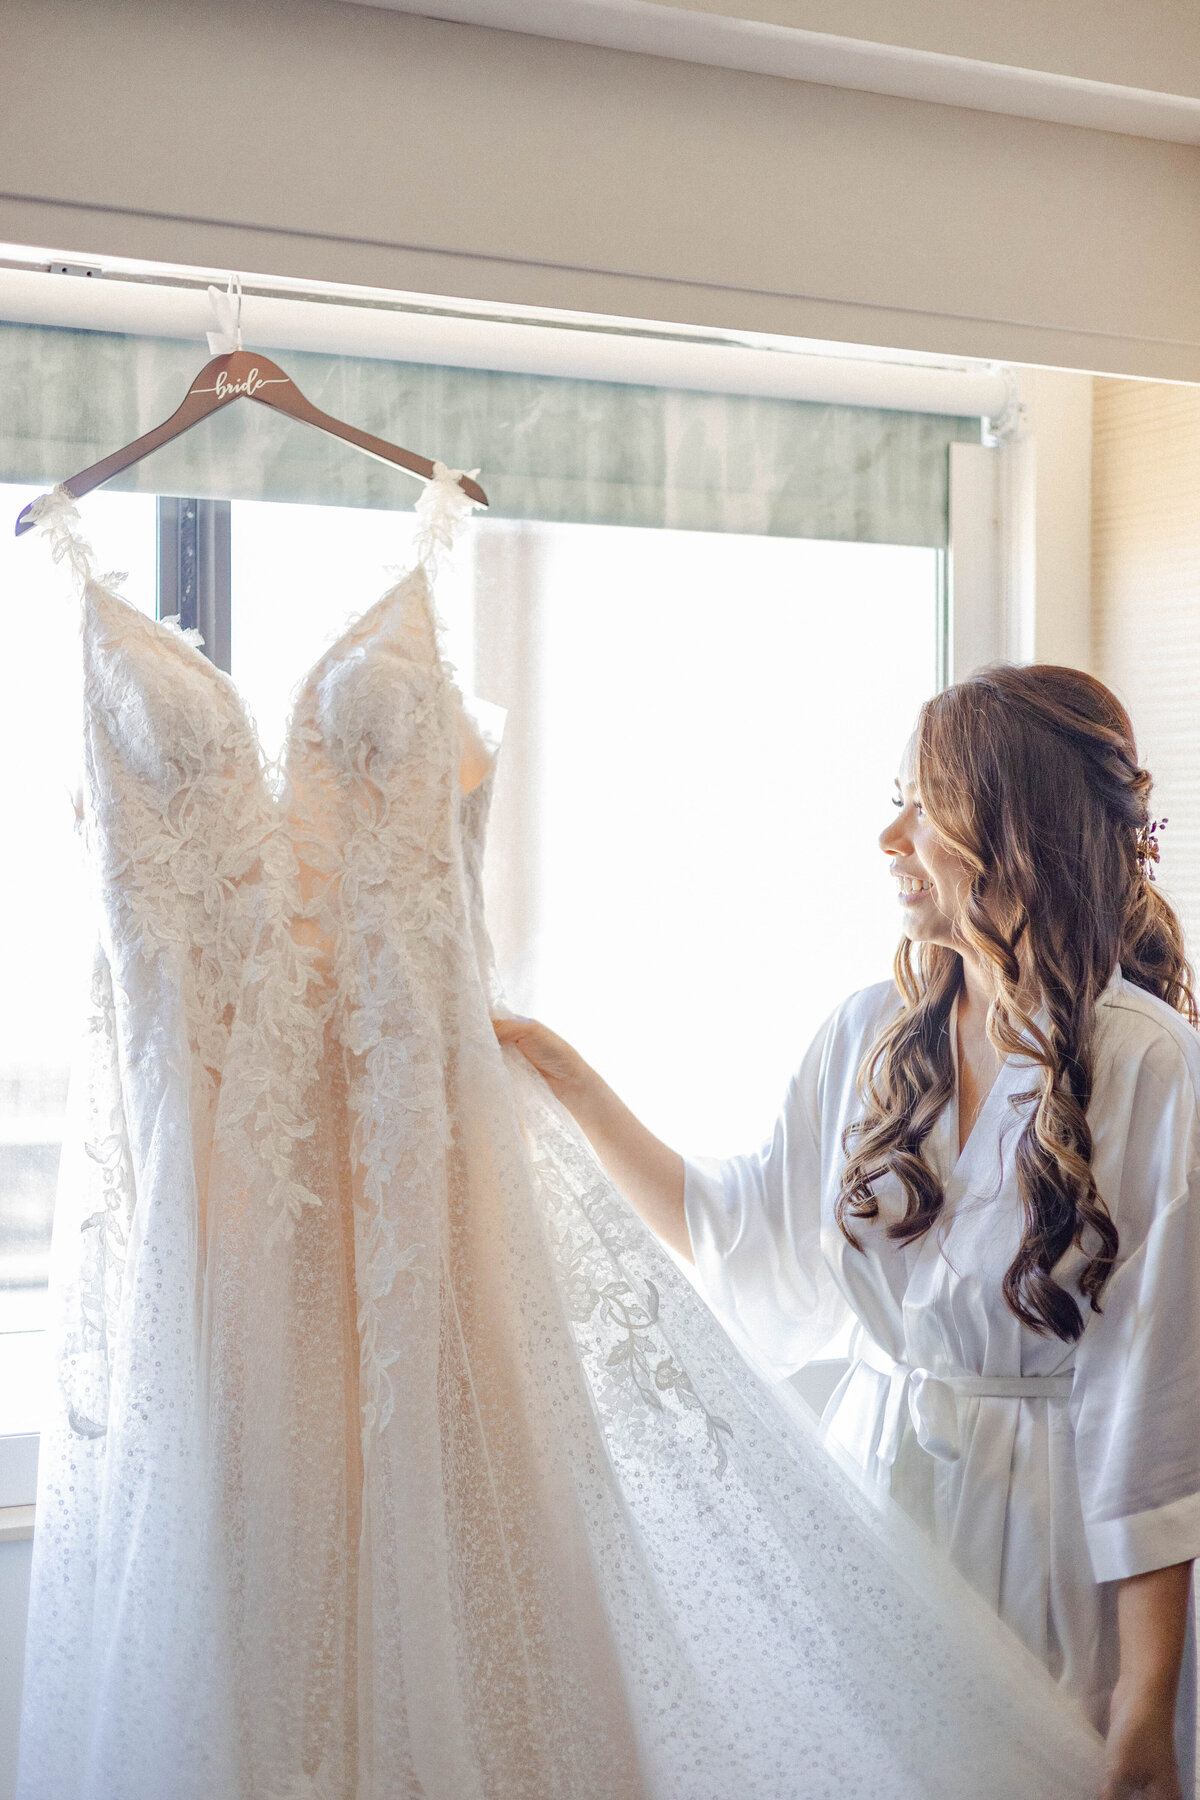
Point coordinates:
pixel 239 375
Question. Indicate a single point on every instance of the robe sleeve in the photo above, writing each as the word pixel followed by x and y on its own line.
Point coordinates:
pixel 1136 1396
pixel 755 1228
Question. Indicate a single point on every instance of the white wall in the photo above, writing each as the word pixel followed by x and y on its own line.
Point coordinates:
pixel 1057 521
pixel 311 138
pixel 1146 533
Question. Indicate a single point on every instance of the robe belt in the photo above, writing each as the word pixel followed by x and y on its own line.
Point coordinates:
pixel 933 1399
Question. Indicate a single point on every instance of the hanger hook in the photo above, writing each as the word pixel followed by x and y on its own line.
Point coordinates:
pixel 235 286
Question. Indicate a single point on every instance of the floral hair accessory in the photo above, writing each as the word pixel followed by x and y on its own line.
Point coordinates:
pixel 1147 847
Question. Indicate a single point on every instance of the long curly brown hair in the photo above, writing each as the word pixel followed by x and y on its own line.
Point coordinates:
pixel 1032 776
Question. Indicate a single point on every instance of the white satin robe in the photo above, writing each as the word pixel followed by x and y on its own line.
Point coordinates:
pixel 1042 1498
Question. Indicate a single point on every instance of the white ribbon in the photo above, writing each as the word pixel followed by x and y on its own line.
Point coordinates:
pixel 442 505
pixel 227 313
pixel 931 1400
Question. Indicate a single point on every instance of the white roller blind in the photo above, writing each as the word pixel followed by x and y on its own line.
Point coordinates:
pixel 349 144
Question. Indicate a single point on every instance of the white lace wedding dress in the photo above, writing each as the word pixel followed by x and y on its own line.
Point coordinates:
pixel 392 1458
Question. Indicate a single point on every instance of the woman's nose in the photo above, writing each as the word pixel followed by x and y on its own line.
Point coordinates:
pixel 892 838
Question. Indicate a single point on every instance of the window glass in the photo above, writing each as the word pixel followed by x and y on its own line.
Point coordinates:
pixel 719 720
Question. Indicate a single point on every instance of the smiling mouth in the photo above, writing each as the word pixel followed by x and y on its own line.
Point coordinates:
pixel 910 886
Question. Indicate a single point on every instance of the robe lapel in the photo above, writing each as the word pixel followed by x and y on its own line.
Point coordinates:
pixel 941 1146
pixel 976 1168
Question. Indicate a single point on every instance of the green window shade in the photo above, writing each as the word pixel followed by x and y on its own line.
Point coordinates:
pixel 548 448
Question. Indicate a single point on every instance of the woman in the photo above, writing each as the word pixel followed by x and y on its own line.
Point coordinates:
pixel 989 1165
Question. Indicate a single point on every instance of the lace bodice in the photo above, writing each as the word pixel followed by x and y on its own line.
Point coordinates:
pixel 393 1459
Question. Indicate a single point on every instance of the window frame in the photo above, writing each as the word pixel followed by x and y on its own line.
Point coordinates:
pixel 195 571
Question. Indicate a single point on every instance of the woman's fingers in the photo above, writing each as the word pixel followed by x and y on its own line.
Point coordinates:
pixel 508 1030
pixel 549 1054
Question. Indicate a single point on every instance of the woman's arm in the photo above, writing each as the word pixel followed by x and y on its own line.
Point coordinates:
pixel 647 1171
pixel 1152 1619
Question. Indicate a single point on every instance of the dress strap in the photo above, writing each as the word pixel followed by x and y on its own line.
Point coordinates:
pixel 932 1400
pixel 57 517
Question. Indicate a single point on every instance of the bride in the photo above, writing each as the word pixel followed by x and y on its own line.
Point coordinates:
pixel 987 1165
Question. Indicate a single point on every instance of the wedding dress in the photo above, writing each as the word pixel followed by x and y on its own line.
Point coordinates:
pixel 392 1457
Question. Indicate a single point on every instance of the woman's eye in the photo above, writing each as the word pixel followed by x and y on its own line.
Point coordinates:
pixel 897 803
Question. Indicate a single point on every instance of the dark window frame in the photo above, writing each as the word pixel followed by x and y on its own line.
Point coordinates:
pixel 194 578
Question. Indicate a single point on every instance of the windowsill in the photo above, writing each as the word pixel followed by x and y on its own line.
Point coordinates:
pixel 16 1523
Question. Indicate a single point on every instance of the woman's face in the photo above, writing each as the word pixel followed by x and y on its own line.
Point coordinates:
pixel 931 879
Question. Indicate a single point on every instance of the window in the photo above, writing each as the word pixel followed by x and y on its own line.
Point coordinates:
pixel 718 721
pixel 702 734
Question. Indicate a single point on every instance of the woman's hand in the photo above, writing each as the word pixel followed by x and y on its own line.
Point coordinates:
pixel 1152 1622
pixel 647 1171
pixel 1140 1751
pixel 560 1066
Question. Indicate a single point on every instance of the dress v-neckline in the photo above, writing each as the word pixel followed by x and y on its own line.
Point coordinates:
pixel 477 721
pixel 183 644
